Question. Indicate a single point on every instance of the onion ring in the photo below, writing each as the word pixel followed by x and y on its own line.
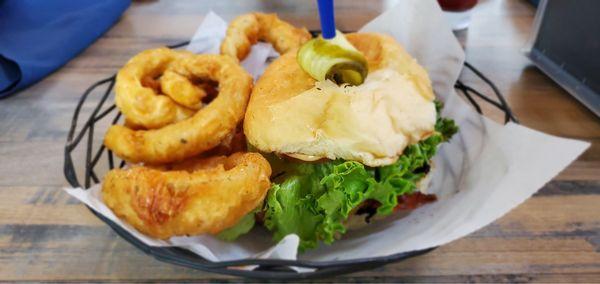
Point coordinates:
pixel 138 92
pixel 181 90
pixel 246 30
pixel 191 198
pixel 201 132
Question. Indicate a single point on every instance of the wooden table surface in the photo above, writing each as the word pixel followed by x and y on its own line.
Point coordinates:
pixel 47 236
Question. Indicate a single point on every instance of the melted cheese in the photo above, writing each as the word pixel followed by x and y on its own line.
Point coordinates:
pixel 371 123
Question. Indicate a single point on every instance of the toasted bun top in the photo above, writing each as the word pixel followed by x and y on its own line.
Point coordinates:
pixel 290 113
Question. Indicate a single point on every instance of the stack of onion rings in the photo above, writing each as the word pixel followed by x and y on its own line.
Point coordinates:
pixel 185 185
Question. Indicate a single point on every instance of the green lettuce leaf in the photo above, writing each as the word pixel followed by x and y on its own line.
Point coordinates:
pixel 243 226
pixel 313 200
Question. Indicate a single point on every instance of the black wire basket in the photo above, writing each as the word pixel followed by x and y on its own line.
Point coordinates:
pixel 277 269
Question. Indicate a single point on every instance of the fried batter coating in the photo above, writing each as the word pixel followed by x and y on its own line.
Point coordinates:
pixel 181 90
pixel 192 198
pixel 246 30
pixel 137 90
pixel 203 131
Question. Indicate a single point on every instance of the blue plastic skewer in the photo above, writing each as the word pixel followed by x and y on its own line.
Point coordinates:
pixel 327 18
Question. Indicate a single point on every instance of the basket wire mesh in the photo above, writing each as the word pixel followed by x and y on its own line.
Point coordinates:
pixel 266 268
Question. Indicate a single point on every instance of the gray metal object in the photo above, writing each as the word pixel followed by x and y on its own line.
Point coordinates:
pixel 565 45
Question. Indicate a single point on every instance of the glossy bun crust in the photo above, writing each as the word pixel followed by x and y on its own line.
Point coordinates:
pixel 284 79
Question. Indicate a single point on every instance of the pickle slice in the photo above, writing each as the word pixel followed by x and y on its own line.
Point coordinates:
pixel 335 59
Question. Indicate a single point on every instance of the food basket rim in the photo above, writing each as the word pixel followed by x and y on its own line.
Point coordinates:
pixel 277 269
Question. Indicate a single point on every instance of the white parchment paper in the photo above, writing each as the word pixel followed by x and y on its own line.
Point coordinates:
pixel 486 170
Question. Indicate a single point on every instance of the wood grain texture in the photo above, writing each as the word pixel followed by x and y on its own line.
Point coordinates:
pixel 45 235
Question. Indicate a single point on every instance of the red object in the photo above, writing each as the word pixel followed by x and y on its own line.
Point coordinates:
pixel 457 5
pixel 414 201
